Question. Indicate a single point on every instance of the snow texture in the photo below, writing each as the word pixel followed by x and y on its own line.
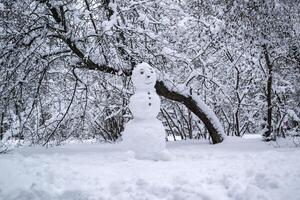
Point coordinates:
pixel 145 134
pixel 238 169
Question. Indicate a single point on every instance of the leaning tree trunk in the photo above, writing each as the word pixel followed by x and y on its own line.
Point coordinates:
pixel 193 106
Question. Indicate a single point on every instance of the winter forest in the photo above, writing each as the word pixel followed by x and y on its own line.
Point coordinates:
pixel 222 105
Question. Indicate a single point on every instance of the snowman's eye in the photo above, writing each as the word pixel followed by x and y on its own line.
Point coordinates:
pixel 142 71
pixel 152 72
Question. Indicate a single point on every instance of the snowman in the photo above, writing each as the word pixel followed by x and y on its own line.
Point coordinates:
pixel 145 134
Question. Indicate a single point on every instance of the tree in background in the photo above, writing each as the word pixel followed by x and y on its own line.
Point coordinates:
pixel 66 66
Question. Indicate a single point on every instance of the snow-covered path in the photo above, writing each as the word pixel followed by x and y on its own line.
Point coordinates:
pixel 238 169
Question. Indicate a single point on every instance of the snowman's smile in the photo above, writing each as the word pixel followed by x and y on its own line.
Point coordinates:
pixel 148 83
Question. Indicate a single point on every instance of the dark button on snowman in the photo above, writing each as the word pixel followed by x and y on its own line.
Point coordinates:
pixel 145 134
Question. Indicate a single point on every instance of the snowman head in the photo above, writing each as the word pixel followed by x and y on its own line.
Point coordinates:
pixel 143 77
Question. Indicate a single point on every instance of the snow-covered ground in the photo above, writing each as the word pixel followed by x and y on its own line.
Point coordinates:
pixel 238 169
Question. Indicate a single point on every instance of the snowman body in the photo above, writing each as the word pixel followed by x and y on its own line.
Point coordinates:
pixel 145 134
pixel 144 105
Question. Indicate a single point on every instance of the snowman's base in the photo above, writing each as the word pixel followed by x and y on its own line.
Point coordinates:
pixel 145 138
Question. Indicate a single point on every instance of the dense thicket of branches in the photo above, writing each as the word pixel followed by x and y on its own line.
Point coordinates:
pixel 66 65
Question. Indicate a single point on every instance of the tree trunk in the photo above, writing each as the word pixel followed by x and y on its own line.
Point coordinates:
pixel 1 126
pixel 267 134
pixel 239 101
pixel 192 105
